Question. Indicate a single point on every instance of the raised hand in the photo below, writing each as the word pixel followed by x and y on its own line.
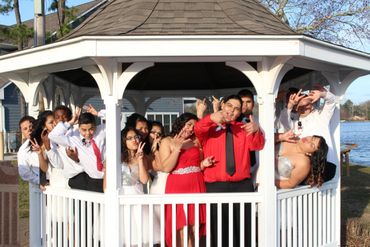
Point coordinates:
pixel 72 153
pixel 250 127
pixel 201 107
pixel 35 146
pixel 218 117
pixel 155 143
pixel 90 109
pixel 45 139
pixel 315 95
pixel 295 98
pixel 139 155
pixel 178 141
pixel 216 104
pixel 75 116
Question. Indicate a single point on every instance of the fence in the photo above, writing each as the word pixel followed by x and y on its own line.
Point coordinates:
pixel 150 203
pixel 9 234
pixel 73 218
pixel 306 217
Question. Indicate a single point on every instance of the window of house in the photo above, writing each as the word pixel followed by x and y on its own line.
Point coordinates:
pixel 166 118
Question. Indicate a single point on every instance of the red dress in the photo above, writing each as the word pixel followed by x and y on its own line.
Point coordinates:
pixel 185 178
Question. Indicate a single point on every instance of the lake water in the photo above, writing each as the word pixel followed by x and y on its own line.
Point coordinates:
pixel 359 133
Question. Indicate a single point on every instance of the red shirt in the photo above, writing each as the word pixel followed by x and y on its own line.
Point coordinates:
pixel 213 141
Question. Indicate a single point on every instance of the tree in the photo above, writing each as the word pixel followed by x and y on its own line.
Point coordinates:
pixel 65 15
pixel 20 32
pixel 5 6
pixel 344 22
pixel 346 110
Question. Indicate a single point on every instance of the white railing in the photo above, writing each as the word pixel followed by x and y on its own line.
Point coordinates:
pixel 306 216
pixel 155 204
pixel 73 218
pixel 9 215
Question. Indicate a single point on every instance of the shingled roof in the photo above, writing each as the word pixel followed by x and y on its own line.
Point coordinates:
pixel 51 20
pixel 181 17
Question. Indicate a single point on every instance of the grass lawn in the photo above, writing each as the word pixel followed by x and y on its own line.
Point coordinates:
pixel 23 198
pixel 356 207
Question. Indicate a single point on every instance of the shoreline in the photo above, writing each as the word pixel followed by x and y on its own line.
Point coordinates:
pixel 358 164
pixel 353 121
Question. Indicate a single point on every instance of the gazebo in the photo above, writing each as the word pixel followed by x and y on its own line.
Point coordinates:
pixel 143 50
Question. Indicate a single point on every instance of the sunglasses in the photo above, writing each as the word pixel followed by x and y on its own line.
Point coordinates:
pixel 136 137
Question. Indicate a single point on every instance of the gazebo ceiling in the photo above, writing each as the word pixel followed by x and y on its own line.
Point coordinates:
pixel 180 76
pixel 181 17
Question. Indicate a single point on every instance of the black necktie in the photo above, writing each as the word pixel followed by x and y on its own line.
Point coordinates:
pixel 230 161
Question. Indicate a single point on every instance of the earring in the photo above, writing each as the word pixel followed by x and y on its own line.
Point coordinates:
pixel 308 154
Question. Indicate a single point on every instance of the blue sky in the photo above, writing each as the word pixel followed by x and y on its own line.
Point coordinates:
pixel 358 92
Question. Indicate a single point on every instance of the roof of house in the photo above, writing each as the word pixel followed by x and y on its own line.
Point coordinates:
pixel 51 20
pixel 181 17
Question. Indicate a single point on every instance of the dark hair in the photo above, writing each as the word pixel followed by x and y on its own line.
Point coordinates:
pixel 66 110
pixel 86 118
pixel 233 96
pixel 158 124
pixel 134 118
pixel 180 122
pixel 26 118
pixel 39 126
pixel 125 154
pixel 318 163
pixel 246 93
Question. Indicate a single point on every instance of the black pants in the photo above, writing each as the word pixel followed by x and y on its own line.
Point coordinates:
pixel 82 181
pixel 227 187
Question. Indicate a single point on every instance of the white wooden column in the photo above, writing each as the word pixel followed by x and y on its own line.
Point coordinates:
pixel 266 81
pixel 112 82
pixel 104 72
pixel 113 171
pixel 268 209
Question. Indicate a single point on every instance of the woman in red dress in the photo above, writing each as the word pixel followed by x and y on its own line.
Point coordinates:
pixel 181 157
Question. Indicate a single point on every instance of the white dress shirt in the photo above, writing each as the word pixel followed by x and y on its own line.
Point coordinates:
pixel 315 123
pixel 59 159
pixel 86 153
pixel 28 164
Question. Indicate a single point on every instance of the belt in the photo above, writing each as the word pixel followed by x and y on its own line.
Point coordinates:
pixel 186 170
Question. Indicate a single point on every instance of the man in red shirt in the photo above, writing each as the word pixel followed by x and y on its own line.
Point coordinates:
pixel 229 142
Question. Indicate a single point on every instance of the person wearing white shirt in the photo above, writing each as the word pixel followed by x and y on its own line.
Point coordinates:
pixel 57 154
pixel 310 121
pixel 86 147
pixel 28 168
